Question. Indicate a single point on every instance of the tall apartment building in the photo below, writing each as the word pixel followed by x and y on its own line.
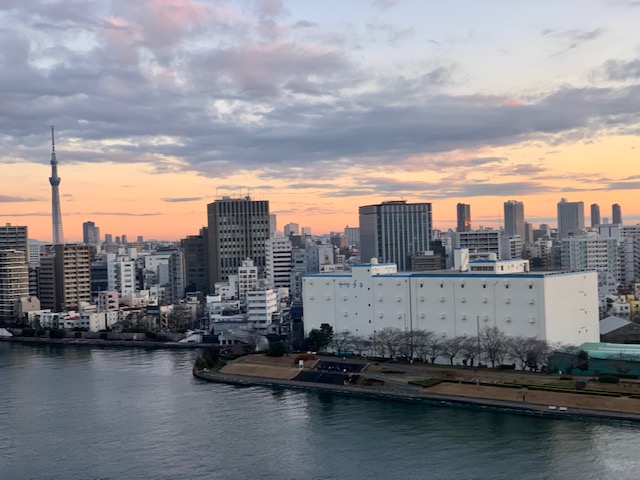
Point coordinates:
pixel 291 229
pixel 353 236
pixel 238 228
pixel 278 262
pixel 591 252
pixel 570 218
pixel 247 279
pixel 14 283
pixel 595 214
pixel 616 214
pixel 90 233
pixel 394 231
pixel 196 262
pixel 481 241
pixel 65 277
pixel 514 218
pixel 463 214
pixel 14 237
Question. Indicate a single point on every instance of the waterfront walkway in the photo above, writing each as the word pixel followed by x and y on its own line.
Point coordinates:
pixel 412 393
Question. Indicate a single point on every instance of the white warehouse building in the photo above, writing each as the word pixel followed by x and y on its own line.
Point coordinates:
pixel 554 306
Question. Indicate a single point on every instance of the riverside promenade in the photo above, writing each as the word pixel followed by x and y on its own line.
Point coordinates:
pixel 398 391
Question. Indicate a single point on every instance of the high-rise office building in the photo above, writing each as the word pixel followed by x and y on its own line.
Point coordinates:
pixel 394 231
pixel 514 218
pixel 14 282
pixel 196 262
pixel 108 239
pixel 570 218
pixel 90 233
pixel 616 214
pixel 595 214
pixel 238 229
pixel 463 211
pixel 65 277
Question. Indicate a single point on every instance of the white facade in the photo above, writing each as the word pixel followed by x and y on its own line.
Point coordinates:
pixel 480 241
pixel 557 307
pixel 261 305
pixel 278 262
pixel 247 278
pixel 591 252
pixel 121 275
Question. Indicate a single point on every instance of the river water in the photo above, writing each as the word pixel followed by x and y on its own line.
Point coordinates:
pixel 88 413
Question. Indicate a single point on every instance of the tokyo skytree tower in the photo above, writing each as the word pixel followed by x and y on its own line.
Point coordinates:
pixel 54 180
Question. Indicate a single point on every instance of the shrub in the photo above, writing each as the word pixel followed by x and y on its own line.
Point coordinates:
pixel 429 382
pixel 28 332
pixel 104 336
pixel 40 332
pixel 162 338
pixel 277 349
pixel 56 333
pixel 77 334
pixel 608 379
pixel 151 335
pixel 629 376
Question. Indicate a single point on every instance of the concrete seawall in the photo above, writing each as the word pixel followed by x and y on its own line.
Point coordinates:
pixel 421 396
pixel 105 343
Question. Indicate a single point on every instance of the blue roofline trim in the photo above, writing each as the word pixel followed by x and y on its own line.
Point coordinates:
pixel 371 264
pixel 456 274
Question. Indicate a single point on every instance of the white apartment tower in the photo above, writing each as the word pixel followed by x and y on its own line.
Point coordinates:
pixel 247 279
pixel 278 262
pixel 591 252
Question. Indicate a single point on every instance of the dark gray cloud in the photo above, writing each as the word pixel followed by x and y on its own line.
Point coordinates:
pixel 182 199
pixel 14 199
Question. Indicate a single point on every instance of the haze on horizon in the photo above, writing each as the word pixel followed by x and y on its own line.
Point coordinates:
pixel 319 107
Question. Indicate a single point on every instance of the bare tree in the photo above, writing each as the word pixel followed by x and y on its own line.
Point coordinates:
pixel 360 344
pixel 520 348
pixel 423 340
pixel 494 344
pixel 452 347
pixel 623 362
pixel 409 343
pixel 435 348
pixel 341 341
pixel 470 350
pixel 388 340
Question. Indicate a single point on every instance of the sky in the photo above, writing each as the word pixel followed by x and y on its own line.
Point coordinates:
pixel 162 106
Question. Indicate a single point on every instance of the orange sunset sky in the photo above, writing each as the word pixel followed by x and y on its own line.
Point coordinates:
pixel 160 106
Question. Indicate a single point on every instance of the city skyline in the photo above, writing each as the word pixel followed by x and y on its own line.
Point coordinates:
pixel 162 106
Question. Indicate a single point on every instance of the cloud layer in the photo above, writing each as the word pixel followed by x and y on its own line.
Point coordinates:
pixel 225 88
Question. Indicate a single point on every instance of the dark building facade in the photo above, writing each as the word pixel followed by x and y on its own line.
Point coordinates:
pixel 463 214
pixel 238 228
pixel 394 231
pixel 195 251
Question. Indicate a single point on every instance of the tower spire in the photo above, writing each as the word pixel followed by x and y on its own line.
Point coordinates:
pixel 54 180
